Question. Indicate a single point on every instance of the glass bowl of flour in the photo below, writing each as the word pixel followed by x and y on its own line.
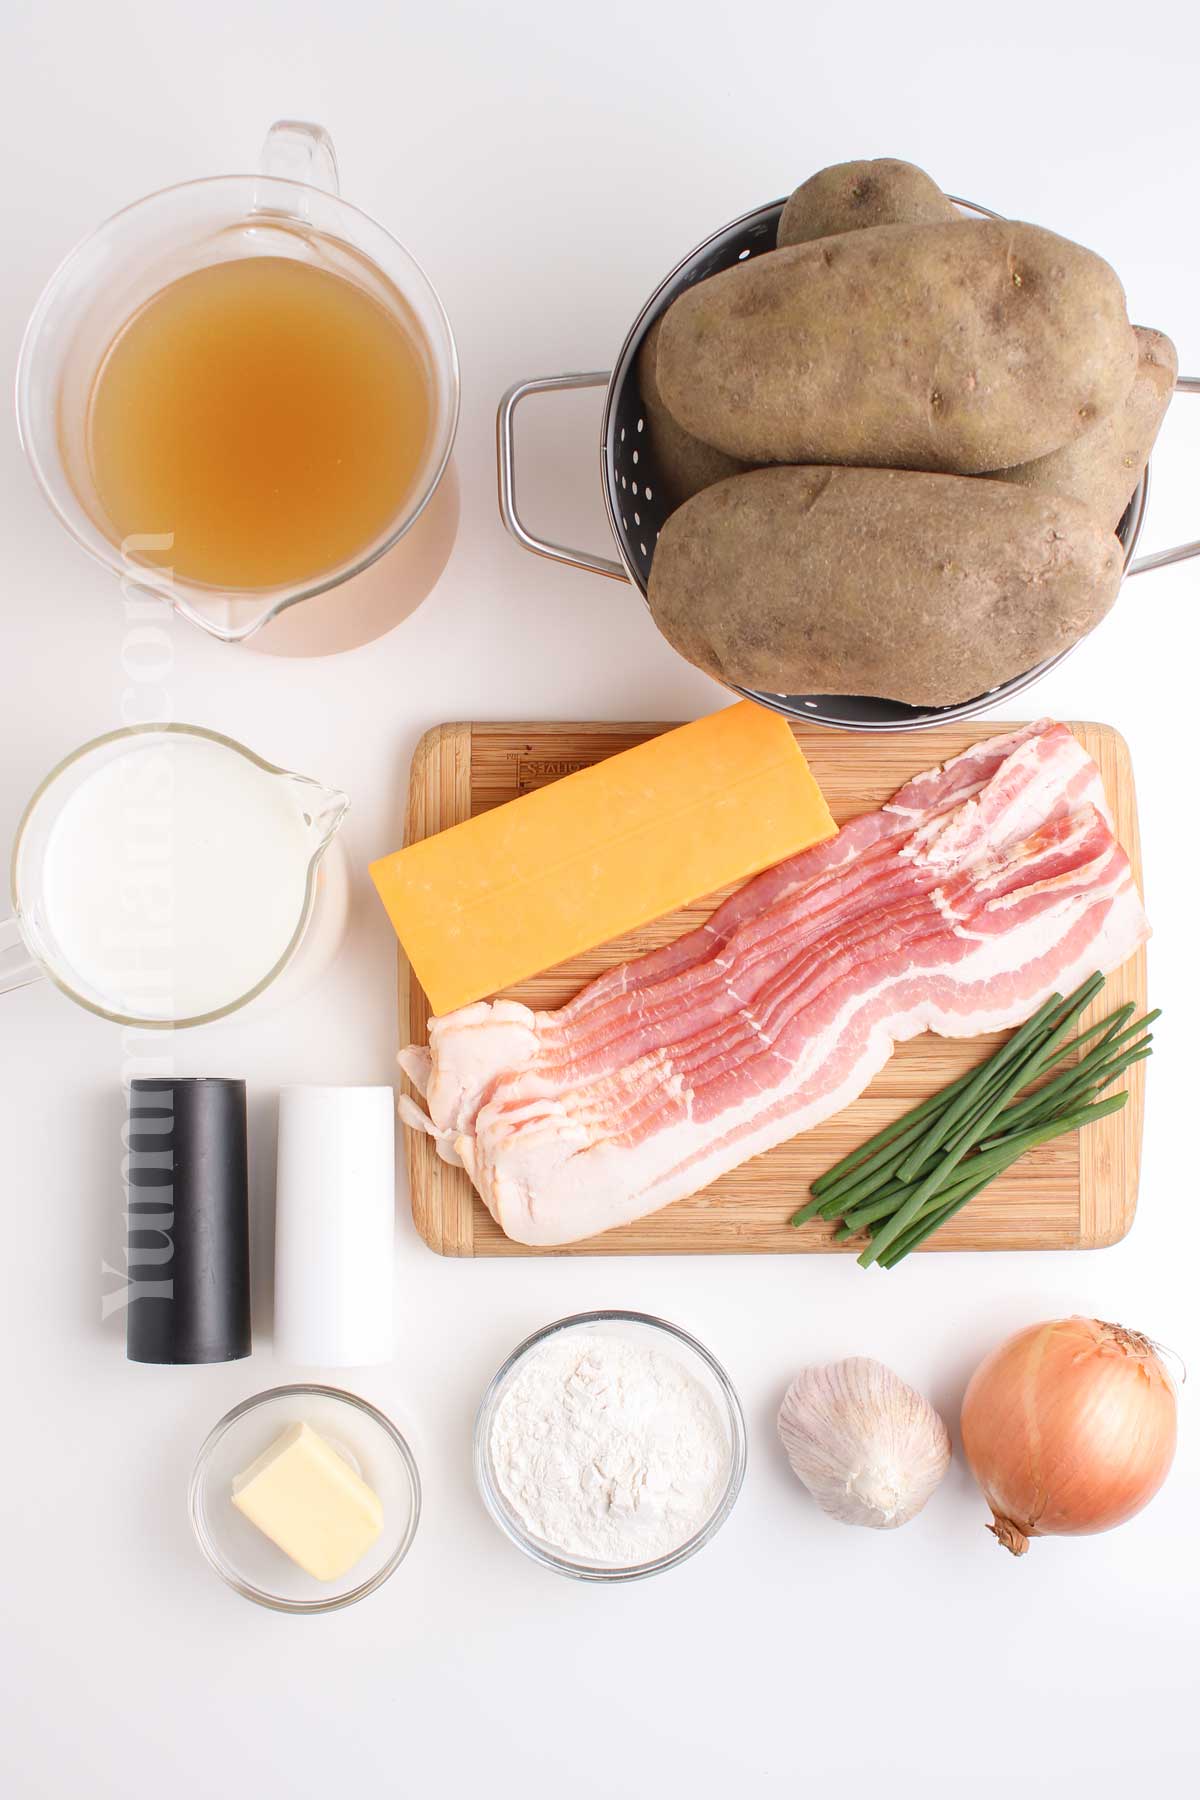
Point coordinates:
pixel 610 1446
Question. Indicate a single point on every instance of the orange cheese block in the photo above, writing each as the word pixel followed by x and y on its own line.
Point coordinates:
pixel 508 894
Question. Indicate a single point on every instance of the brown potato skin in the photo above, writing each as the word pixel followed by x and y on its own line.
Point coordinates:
pixel 964 347
pixel 929 589
pixel 1103 467
pixel 851 195
pixel 685 465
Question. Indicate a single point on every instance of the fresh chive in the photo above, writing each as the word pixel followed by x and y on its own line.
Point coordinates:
pixel 887 1154
pixel 856 1191
pixel 870 1211
pixel 965 1131
pixel 1113 1038
pixel 952 1199
pixel 933 1168
pixel 1026 1069
pixel 942 1209
pixel 885 1138
pixel 1104 1075
pixel 925 1228
pixel 880 1206
pixel 1113 1022
pixel 970 1175
pixel 1072 1098
pixel 984 1076
pixel 806 1212
pixel 970 1169
pixel 1078 1076
pixel 903 1182
pixel 845 1174
pixel 1053 1045
pixel 835 1205
pixel 1074 1004
pixel 1090 1070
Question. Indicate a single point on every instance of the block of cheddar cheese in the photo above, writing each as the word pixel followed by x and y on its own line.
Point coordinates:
pixel 503 896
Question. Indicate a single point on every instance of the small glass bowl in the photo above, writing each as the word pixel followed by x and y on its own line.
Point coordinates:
pixel 244 1556
pixel 633 1327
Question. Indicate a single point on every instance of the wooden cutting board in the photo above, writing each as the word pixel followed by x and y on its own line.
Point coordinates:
pixel 1077 1192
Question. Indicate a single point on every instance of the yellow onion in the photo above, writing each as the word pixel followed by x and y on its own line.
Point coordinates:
pixel 1069 1428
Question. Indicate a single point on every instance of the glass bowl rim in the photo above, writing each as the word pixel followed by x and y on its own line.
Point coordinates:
pixel 260 1596
pixel 582 1570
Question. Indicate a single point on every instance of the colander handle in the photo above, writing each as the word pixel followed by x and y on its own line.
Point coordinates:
pixel 1158 559
pixel 506 471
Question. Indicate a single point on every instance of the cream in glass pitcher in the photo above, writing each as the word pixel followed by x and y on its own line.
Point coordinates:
pixel 165 876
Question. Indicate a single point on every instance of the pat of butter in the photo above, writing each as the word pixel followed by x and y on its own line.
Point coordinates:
pixel 309 1501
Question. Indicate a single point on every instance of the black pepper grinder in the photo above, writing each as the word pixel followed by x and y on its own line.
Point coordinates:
pixel 188 1222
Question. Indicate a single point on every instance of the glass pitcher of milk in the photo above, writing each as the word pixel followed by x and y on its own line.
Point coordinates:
pixel 164 876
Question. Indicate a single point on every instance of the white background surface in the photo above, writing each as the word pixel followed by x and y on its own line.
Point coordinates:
pixel 548 163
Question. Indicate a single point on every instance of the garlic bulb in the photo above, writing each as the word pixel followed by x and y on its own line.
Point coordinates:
pixel 869 1449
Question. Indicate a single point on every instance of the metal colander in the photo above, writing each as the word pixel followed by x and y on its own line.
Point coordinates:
pixel 637 505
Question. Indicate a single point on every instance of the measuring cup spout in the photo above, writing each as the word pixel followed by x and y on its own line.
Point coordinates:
pixel 327 808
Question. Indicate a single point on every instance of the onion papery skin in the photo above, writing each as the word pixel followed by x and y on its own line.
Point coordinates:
pixel 1069 1428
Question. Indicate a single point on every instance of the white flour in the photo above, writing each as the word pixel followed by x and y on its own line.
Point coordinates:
pixel 609 1450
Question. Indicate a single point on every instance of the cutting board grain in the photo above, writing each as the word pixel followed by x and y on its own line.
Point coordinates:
pixel 1078 1192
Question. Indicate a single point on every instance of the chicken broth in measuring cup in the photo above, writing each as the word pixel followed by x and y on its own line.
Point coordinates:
pixel 265 419
pixel 242 394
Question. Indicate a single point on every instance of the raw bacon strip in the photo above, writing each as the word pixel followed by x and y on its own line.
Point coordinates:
pixel 823 891
pixel 824 888
pixel 740 1039
pixel 782 1024
pixel 928 796
pixel 959 907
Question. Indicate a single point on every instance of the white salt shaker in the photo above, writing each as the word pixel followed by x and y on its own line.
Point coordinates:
pixel 335 1197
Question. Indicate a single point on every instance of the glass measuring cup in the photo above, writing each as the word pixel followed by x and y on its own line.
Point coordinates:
pixel 291 208
pixel 126 904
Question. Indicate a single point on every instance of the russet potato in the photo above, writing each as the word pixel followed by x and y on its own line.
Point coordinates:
pixel 684 464
pixel 851 195
pixel 966 347
pixel 1103 467
pixel 929 589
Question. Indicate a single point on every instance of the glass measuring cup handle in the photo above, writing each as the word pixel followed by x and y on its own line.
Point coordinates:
pixel 17 968
pixel 297 150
